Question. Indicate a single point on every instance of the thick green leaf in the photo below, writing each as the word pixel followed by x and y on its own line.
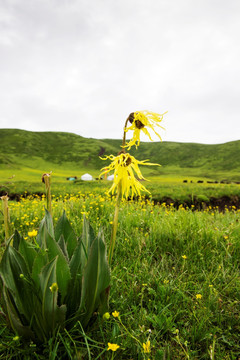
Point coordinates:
pixel 96 279
pixel 14 317
pixel 64 228
pixel 22 289
pixel 75 284
pixel 62 268
pixel 88 237
pixel 45 225
pixel 16 239
pixel 62 244
pixel 39 262
pixel 76 266
pixel 48 277
pixel 28 253
pixel 53 315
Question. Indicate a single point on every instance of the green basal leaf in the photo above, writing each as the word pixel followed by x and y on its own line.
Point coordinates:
pixel 64 228
pixel 45 225
pixel 16 239
pixel 39 262
pixel 47 278
pixel 63 247
pixel 96 279
pixel 17 279
pixel 88 237
pixel 62 267
pixel 53 315
pixel 75 263
pixel 28 253
pixel 75 284
pixel 14 317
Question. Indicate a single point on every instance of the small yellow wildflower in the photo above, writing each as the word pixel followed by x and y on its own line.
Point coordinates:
pixel 115 314
pixel 184 257
pixel 54 287
pixel 198 296
pixel 106 316
pixel 113 347
pixel 140 120
pixel 125 168
pixel 16 338
pixel 146 347
pixel 32 233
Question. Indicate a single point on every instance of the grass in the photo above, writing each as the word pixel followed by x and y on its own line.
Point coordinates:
pixel 162 188
pixel 175 282
pixel 175 286
pixel 66 154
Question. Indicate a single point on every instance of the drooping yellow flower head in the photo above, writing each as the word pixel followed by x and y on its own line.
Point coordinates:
pixel 141 120
pixel 126 169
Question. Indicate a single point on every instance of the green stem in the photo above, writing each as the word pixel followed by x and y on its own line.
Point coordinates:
pixel 46 178
pixel 129 333
pixel 114 225
pixel 6 217
pixel 124 133
pixel 117 206
pixel 53 313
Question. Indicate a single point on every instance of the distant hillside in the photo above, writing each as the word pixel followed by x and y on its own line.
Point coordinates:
pixel 18 148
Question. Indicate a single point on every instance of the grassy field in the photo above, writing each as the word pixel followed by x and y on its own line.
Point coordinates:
pixel 175 282
pixel 66 154
pixel 175 287
pixel 162 189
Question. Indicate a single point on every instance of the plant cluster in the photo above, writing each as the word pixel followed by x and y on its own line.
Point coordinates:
pixel 58 281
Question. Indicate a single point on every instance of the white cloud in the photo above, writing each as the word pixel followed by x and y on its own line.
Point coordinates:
pixel 82 66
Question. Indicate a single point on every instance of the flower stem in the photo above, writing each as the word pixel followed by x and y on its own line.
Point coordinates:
pixel 6 217
pixel 117 206
pixel 46 179
pixel 115 224
pixel 124 133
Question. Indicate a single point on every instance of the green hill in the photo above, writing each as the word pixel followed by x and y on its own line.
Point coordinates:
pixel 70 154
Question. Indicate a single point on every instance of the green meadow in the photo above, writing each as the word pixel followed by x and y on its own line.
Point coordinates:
pixel 174 281
pixel 175 286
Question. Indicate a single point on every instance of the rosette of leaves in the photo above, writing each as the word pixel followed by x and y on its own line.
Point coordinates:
pixel 58 281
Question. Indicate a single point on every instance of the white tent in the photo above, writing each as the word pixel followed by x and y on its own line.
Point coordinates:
pixel 110 177
pixel 86 177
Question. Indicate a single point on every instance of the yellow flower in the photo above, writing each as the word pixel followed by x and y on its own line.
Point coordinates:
pixel 198 296
pixel 112 347
pixel 140 120
pixel 106 316
pixel 146 347
pixel 32 233
pixel 115 314
pixel 125 169
pixel 184 257
pixel 54 287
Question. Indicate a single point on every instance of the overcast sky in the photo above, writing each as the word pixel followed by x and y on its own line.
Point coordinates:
pixel 82 66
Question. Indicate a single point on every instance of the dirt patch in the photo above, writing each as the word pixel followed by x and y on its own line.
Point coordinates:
pixel 222 203
pixel 226 202
pixel 18 197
